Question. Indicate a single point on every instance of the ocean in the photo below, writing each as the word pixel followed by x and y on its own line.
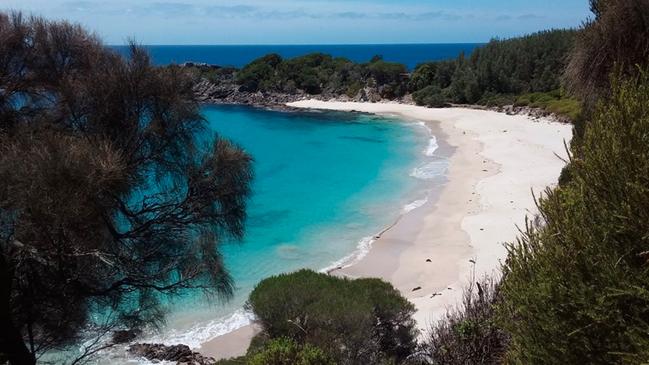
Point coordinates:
pixel 325 184
pixel 239 56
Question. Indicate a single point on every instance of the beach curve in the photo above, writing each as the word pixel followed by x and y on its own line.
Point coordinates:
pixel 434 251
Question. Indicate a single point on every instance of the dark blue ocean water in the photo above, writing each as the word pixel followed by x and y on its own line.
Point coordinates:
pixel 238 56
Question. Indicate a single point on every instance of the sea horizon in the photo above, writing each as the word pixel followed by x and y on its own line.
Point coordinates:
pixel 238 55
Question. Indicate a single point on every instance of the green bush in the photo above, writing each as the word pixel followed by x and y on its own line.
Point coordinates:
pixel 284 351
pixel 553 101
pixel 576 285
pixel 260 74
pixel 469 334
pixel 355 321
pixel 430 96
pixel 496 100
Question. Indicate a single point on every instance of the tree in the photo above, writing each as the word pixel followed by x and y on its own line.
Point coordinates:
pixel 355 321
pixel 111 198
pixel 617 40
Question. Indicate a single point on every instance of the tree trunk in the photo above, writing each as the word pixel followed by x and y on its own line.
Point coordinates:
pixel 12 345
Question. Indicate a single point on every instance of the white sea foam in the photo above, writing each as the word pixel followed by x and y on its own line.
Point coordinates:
pixel 414 205
pixel 204 332
pixel 432 147
pixel 362 249
pixel 430 170
pixel 432 143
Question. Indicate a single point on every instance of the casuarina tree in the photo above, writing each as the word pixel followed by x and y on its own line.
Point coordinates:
pixel 112 196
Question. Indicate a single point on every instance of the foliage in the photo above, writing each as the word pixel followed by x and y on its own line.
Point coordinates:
pixel 492 75
pixel 355 321
pixel 319 73
pixel 284 351
pixel 526 64
pixel 554 102
pixel 575 286
pixel 469 334
pixel 430 96
pixel 616 40
pixel 108 200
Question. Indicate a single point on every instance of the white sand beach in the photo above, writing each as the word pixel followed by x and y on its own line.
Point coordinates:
pixel 497 161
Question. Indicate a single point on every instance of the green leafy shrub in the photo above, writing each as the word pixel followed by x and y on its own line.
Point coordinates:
pixel 430 96
pixel 260 74
pixel 576 285
pixel 355 321
pixel 469 334
pixel 554 102
pixel 284 351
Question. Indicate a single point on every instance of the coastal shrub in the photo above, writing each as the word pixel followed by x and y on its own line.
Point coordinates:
pixel 555 101
pixel 430 96
pixel 355 321
pixel 285 351
pixel 532 63
pixel 491 99
pixel 576 284
pixel 260 74
pixel 386 72
pixel 468 334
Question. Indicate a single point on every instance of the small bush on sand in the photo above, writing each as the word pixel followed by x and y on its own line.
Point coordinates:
pixel 284 351
pixel 355 321
pixel 430 96
pixel 469 334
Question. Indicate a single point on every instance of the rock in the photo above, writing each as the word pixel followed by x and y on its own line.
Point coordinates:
pixel 417 288
pixel 124 336
pixel 429 260
pixel 181 354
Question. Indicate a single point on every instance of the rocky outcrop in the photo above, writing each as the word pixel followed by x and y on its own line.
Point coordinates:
pixel 222 88
pixel 181 354
pixel 228 92
pixel 534 113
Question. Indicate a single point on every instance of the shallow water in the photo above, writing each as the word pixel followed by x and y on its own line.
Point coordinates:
pixel 325 184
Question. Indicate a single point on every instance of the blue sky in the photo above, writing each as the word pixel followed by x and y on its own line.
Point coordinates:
pixel 308 21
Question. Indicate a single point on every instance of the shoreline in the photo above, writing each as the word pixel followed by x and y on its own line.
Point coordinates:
pixel 430 253
pixel 498 158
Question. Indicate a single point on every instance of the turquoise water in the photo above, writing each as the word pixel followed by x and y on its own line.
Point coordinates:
pixel 324 183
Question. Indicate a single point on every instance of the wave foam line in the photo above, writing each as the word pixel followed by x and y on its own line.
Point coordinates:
pixel 202 333
pixel 432 147
pixel 430 170
pixel 362 249
pixel 414 205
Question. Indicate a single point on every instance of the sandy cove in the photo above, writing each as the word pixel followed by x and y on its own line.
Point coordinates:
pixel 496 161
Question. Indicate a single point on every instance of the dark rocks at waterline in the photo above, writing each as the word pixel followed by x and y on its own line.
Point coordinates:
pixel 223 89
pixel 181 354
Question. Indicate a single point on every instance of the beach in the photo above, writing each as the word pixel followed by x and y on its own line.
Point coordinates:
pixel 496 163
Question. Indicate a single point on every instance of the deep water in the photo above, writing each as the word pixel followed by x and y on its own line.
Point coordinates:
pixel 240 55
